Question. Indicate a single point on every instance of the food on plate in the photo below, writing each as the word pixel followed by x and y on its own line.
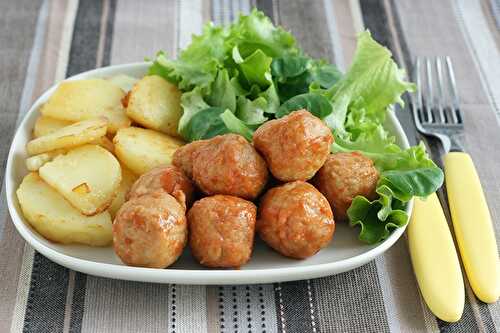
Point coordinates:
pixel 345 176
pixel 125 82
pixel 221 231
pixel 79 100
pixel 295 146
pixel 168 178
pixel 228 164
pixel 128 179
pixel 246 98
pixel 184 156
pixel 70 136
pixel 155 103
pixel 141 149
pixel 150 230
pixel 46 125
pixel 295 219
pixel 55 219
pixel 253 72
pixel 88 177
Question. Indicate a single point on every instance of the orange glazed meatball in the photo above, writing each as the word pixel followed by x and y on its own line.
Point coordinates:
pixel 168 178
pixel 184 156
pixel 228 164
pixel 221 230
pixel 343 177
pixel 150 230
pixel 295 146
pixel 295 219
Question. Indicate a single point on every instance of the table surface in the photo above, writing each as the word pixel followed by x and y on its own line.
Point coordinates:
pixel 42 42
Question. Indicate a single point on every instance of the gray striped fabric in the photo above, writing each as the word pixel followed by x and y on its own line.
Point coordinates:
pixel 44 41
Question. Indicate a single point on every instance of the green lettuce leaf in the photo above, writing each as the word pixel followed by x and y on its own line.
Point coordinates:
pixel 372 83
pixel 256 32
pixel 192 102
pixel 318 105
pixel 223 93
pixel 255 67
pixel 235 125
pixel 197 65
pixel 252 112
pixel 376 218
pixel 206 124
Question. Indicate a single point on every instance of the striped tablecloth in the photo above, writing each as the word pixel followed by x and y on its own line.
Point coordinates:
pixel 42 42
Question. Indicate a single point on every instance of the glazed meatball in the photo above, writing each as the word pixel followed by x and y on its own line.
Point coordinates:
pixel 295 146
pixel 295 219
pixel 168 178
pixel 228 164
pixel 343 177
pixel 184 156
pixel 221 230
pixel 150 230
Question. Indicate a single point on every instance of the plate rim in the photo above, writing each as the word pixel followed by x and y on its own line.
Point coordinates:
pixel 173 275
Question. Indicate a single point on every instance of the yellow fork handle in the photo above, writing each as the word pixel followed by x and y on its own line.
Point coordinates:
pixel 435 260
pixel 472 224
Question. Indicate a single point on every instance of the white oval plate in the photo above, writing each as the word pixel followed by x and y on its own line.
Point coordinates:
pixel 345 252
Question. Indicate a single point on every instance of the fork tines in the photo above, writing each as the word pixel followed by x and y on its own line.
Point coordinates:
pixel 436 99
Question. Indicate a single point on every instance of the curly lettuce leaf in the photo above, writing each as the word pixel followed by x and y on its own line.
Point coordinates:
pixel 376 218
pixel 197 65
pixel 255 67
pixel 256 32
pixel 373 83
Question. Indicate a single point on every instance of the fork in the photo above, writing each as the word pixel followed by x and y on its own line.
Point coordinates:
pixel 436 111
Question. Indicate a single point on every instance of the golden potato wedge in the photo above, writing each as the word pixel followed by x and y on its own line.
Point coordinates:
pixel 155 103
pixel 141 149
pixel 70 136
pixel 86 99
pixel 35 162
pixel 125 82
pixel 46 125
pixel 55 219
pixel 87 176
pixel 128 179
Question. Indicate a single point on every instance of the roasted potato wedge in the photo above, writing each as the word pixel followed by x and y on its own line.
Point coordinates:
pixel 125 82
pixel 155 103
pixel 35 162
pixel 141 149
pixel 70 136
pixel 55 219
pixel 46 125
pixel 128 179
pixel 87 176
pixel 86 99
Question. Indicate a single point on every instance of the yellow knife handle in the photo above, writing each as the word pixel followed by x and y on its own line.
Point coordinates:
pixel 472 224
pixel 435 260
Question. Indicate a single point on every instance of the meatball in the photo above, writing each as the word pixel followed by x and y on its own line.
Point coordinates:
pixel 183 156
pixel 168 178
pixel 228 164
pixel 221 230
pixel 150 230
pixel 343 177
pixel 295 146
pixel 295 219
